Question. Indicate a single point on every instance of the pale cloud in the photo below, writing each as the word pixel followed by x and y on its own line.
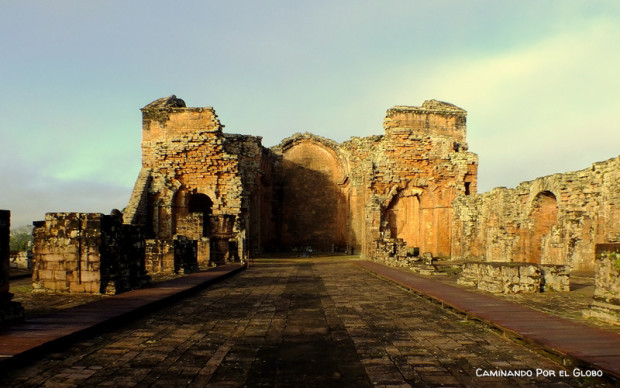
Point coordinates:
pixel 540 109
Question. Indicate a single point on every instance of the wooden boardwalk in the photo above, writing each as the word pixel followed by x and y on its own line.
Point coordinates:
pixel 581 344
pixel 42 334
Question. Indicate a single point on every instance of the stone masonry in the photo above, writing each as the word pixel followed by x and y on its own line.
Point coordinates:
pixel 196 182
pixel 510 278
pixel 557 219
pixel 204 197
pixel 606 303
pixel 87 253
pixel 307 193
pixel 9 310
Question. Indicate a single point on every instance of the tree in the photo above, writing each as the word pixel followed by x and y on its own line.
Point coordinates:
pixel 21 239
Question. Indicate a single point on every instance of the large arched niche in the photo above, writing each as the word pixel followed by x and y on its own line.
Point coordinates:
pixel 543 217
pixel 314 209
pixel 403 215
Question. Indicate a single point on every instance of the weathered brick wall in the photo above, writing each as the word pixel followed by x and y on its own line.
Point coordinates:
pixel 412 175
pixel 191 172
pixel 87 253
pixel 9 310
pixel 556 219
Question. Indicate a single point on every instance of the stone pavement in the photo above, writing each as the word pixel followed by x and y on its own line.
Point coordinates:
pixel 298 323
pixel 37 335
pixel 572 342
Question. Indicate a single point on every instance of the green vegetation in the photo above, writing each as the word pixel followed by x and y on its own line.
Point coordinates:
pixel 21 239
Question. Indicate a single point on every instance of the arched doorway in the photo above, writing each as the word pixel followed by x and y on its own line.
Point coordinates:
pixel 201 203
pixel 544 217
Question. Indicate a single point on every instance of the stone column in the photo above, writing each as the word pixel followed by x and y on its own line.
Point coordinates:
pixel 606 303
pixel 9 311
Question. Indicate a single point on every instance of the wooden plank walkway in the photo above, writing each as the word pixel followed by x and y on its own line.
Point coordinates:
pixel 596 348
pixel 42 334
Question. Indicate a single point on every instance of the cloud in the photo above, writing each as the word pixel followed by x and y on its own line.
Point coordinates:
pixel 539 109
pixel 31 194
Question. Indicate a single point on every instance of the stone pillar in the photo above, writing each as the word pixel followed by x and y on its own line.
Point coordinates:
pixel 606 303
pixel 9 310
pixel 204 253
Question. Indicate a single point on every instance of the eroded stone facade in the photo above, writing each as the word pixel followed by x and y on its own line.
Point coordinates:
pixel 557 219
pixel 306 193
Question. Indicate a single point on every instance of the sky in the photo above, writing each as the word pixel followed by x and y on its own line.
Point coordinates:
pixel 539 81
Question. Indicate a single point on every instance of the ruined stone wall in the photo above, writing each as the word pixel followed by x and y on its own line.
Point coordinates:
pixel 412 175
pixel 195 179
pixel 308 191
pixel 556 219
pixel 185 150
pixel 256 165
pixel 87 253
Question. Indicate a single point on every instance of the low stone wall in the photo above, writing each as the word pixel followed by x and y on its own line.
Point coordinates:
pixel 169 257
pixel 9 310
pixel 510 278
pixel 606 303
pixel 87 253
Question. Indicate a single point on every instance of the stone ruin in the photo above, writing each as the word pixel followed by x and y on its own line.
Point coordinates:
pixel 87 253
pixel 204 197
pixel 233 197
pixel 9 310
pixel 557 219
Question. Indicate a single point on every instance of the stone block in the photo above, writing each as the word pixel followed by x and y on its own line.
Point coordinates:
pixel 606 303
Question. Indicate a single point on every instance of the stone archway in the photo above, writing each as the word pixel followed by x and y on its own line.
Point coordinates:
pixel 313 208
pixel 543 217
pixel 202 204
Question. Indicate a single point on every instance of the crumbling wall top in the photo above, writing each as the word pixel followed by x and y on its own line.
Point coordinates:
pixel 433 117
pixel 301 137
pixel 165 102
pixel 168 118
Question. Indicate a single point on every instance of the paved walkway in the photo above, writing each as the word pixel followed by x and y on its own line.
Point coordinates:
pixel 320 322
pixel 42 334
pixel 574 342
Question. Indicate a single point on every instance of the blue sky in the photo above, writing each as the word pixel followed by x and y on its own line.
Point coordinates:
pixel 539 80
